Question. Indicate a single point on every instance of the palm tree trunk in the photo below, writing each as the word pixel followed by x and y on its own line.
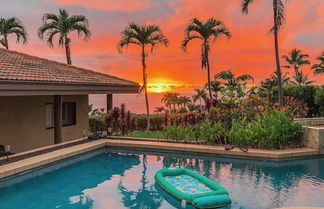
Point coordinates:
pixel 67 51
pixel 208 75
pixel 145 90
pixel 6 42
pixel 280 91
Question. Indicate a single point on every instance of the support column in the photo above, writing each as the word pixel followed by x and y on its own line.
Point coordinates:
pixel 109 107
pixel 57 119
pixel 109 102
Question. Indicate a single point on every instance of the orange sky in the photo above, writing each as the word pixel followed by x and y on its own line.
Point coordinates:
pixel 249 51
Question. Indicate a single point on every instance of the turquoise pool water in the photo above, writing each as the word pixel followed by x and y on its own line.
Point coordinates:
pixel 117 179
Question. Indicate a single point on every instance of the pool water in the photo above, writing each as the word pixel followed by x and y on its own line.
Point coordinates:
pixel 114 179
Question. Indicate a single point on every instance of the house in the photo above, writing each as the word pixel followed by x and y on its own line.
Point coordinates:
pixel 44 102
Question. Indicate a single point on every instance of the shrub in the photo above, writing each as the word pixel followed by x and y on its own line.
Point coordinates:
pixel 156 120
pixel 270 130
pixel 97 123
pixel 319 100
pixel 304 93
pixel 206 132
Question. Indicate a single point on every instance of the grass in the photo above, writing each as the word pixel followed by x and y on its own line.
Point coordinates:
pixel 142 134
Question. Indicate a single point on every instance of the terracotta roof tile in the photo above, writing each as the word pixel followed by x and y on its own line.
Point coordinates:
pixel 23 67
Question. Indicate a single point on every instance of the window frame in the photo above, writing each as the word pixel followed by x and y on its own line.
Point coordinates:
pixel 63 124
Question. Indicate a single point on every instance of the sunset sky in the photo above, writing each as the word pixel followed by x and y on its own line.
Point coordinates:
pixel 249 51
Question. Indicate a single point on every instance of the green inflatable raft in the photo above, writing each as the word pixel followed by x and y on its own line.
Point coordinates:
pixel 192 187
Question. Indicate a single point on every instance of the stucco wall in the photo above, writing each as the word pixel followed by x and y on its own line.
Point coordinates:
pixel 314 137
pixel 23 121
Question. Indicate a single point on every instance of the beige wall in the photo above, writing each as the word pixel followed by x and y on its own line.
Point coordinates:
pixel 23 121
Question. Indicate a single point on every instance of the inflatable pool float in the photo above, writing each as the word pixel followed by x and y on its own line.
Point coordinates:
pixel 192 187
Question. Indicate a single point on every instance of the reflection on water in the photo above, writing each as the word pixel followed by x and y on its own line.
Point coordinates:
pixel 122 179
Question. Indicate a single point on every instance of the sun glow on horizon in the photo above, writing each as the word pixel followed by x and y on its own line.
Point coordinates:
pixel 162 85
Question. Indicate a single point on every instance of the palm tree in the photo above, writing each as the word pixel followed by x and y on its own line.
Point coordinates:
pixel 215 87
pixel 170 99
pixel 208 32
pixel 278 20
pixel 143 36
pixel 296 59
pixel 229 79
pixel 184 101
pixel 200 94
pixel 301 79
pixel 319 68
pixel 12 26
pixel 159 110
pixel 62 25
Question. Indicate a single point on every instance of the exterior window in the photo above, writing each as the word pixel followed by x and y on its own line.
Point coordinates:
pixel 68 114
pixel 49 115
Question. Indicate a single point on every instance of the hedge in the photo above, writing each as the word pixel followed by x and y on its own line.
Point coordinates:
pixel 304 93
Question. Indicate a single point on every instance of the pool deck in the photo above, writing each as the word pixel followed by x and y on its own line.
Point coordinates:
pixel 60 154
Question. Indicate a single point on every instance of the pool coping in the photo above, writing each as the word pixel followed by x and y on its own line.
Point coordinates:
pixel 20 166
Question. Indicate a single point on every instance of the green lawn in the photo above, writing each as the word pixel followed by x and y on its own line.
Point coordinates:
pixel 142 134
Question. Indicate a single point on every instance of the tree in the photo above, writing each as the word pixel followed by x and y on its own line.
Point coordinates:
pixel 278 20
pixel 159 110
pixel 12 26
pixel 143 36
pixel 319 68
pixel 184 101
pixel 170 100
pixel 62 25
pixel 233 86
pixel 215 87
pixel 208 32
pixel 200 94
pixel 229 79
pixel 296 59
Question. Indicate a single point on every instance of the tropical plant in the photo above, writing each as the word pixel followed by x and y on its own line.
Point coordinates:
pixel 183 101
pixel 200 94
pixel 233 86
pixel 229 80
pixel 208 32
pixel 319 68
pixel 143 36
pixel 170 100
pixel 62 25
pixel 319 100
pixel 271 130
pixel 296 59
pixel 301 79
pixel 12 26
pixel 159 110
pixel 268 84
pixel 278 20
pixel 215 87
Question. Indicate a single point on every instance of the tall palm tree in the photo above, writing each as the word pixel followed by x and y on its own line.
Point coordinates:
pixel 143 36
pixel 296 59
pixel 12 26
pixel 319 68
pixel 278 20
pixel 200 94
pixel 62 25
pixel 208 32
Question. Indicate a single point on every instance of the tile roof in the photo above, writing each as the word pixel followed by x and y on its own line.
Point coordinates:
pixel 16 66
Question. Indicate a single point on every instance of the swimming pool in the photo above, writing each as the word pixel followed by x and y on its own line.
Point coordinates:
pixel 114 179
